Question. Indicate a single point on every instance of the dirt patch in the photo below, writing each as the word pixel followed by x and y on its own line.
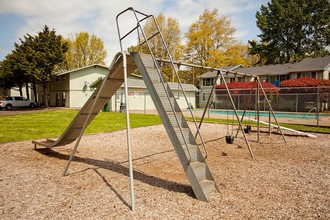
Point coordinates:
pixel 285 180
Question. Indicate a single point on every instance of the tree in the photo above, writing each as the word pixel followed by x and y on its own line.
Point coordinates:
pixel 311 88
pixel 84 50
pixel 6 75
pixel 292 30
pixel 34 60
pixel 246 88
pixel 171 32
pixel 211 42
pixel 14 71
pixel 23 66
pixel 49 52
pixel 238 54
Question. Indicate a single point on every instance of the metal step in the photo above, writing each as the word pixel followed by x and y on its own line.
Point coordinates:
pixel 191 158
pixel 162 90
pixel 168 103
pixel 199 169
pixel 184 136
pixel 147 60
pixel 192 154
pixel 207 186
pixel 175 118
pixel 154 75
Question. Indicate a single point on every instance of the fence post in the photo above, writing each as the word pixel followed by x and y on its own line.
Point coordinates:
pixel 297 102
pixel 317 106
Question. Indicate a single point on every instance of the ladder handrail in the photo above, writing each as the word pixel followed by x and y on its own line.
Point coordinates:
pixel 180 84
pixel 154 60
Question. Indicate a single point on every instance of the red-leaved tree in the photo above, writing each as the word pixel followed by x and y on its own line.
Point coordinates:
pixel 305 85
pixel 310 87
pixel 246 87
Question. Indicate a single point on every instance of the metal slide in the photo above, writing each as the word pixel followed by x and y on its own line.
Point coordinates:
pixel 110 84
pixel 183 141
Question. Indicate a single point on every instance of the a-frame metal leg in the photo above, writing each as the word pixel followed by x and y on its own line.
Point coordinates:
pixel 249 101
pixel 271 109
pixel 237 117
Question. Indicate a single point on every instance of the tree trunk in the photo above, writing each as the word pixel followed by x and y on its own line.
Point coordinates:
pixel 20 91
pixel 45 94
pixel 34 87
pixel 27 90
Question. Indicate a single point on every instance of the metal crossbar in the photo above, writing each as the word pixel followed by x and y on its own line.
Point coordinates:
pixel 205 67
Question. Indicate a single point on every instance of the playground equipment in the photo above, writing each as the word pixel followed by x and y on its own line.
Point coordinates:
pixel 191 157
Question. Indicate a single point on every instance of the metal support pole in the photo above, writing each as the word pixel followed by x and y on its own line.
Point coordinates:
pixel 207 104
pixel 243 115
pixel 258 111
pixel 271 109
pixel 237 117
pixel 269 120
pixel 249 102
pixel 318 106
pixel 128 134
pixel 208 100
pixel 84 126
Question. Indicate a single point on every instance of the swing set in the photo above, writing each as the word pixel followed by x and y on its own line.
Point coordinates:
pixel 247 129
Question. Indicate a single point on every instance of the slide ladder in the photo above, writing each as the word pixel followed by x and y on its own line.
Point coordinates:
pixel 110 84
pixel 183 141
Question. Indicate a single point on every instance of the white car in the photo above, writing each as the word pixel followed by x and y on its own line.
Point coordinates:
pixel 10 102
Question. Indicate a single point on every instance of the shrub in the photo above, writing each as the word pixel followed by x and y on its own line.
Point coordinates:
pixel 245 88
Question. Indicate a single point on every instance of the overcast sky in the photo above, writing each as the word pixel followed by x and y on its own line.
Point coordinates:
pixel 19 17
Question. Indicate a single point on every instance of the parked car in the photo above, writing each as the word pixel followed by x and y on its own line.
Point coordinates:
pixel 10 102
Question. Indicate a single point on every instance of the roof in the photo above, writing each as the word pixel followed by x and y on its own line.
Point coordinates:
pixel 134 81
pixel 138 83
pixel 312 64
pixel 307 64
pixel 277 69
pixel 213 74
pixel 78 69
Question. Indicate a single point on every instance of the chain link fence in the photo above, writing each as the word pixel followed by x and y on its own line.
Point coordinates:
pixel 305 100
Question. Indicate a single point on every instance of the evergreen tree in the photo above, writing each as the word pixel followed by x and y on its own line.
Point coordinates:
pixel 48 51
pixel 292 30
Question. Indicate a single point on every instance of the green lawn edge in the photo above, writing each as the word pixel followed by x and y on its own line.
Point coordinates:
pixel 51 124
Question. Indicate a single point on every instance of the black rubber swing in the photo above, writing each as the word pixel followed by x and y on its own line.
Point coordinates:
pixel 230 137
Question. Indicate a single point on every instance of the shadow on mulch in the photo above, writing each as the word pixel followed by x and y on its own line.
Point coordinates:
pixel 116 167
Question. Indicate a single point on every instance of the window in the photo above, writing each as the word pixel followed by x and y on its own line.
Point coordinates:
pixel 313 75
pixel 240 79
pixel 208 82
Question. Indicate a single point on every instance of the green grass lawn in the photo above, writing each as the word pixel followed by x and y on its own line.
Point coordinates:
pixel 50 124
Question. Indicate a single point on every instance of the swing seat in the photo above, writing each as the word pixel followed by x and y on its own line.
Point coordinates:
pixel 229 139
pixel 247 129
